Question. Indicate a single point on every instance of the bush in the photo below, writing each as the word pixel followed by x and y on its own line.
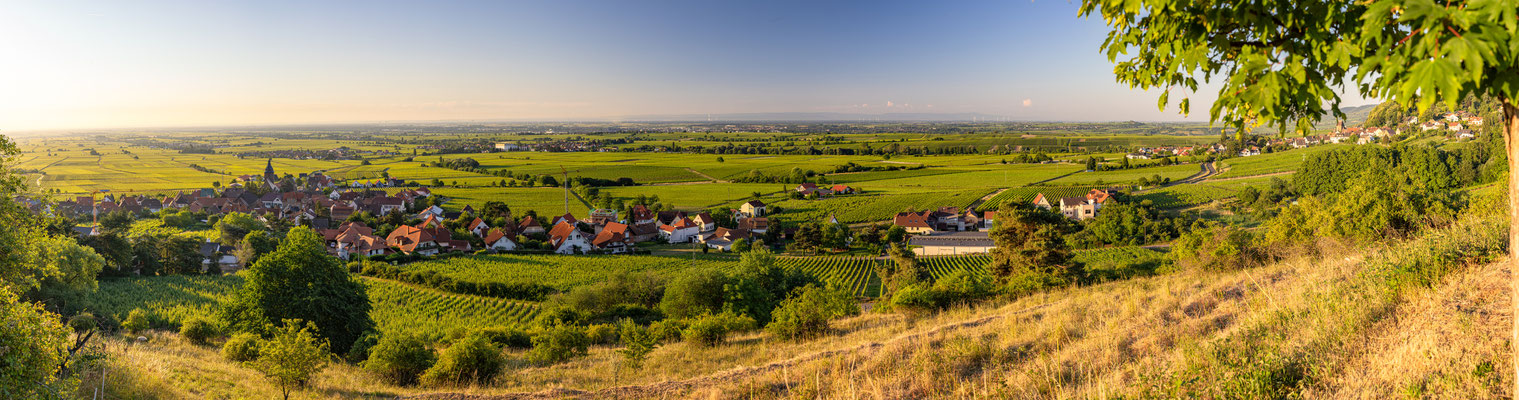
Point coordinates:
pixel 1216 248
pixel 83 322
pixel 713 329
pixel 806 313
pixel 507 337
pixel 469 360
pixel 241 347
pixel 602 334
pixel 400 359
pixel 198 331
pixel 559 342
pixel 963 286
pixel 669 330
pixel 694 293
pixel 137 321
pixel 360 350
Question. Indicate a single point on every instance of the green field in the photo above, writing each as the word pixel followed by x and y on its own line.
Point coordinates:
pixel 1284 161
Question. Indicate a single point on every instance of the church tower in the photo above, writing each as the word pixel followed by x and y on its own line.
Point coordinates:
pixel 269 175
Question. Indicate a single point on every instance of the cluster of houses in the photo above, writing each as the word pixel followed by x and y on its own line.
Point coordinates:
pixel 812 188
pixel 602 232
pixel 551 146
pixel 340 153
pixel 1079 207
pixel 947 230
pixel 1457 124
pixel 1145 153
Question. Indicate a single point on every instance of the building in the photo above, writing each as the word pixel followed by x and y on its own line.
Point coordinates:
pixel 682 231
pixel 753 208
pixel 951 243
pixel 499 240
pixel 614 238
pixel 565 238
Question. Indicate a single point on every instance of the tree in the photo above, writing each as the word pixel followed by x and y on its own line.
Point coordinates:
pixel 1280 61
pixel 291 355
pixel 301 281
pixel 233 226
pixel 1091 164
pixel 694 293
pixel 1030 247
pixel 256 244
pixel 760 283
pixel 637 342
pixel 117 222
pixel 36 342
pixel 472 359
pixel 180 255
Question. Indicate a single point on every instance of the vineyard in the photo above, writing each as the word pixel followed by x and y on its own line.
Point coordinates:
pixel 1185 195
pixel 558 271
pixel 399 307
pixel 872 207
pixel 168 300
pixel 856 275
pixel 941 266
pixel 1026 194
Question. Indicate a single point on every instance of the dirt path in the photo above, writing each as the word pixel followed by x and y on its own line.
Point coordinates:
pixel 1235 178
pixel 709 177
pixel 983 199
pixel 673 388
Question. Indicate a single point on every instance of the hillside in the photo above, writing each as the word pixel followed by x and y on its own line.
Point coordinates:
pixel 1349 314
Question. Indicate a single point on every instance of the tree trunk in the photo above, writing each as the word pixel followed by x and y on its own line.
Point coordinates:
pixel 1510 135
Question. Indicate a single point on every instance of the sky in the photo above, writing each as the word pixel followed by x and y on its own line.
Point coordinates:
pixel 110 64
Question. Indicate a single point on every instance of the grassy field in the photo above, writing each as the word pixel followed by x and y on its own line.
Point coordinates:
pixel 1284 161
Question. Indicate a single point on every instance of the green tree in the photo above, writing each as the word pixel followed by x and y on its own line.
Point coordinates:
pixel 1280 61
pixel 637 342
pixel 694 293
pixel 180 255
pixel 254 245
pixel 36 344
pixel 1030 247
pixel 234 226
pixel 292 355
pixel 472 359
pixel 806 313
pixel 301 281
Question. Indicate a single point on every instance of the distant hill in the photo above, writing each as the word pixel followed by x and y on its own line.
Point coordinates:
pixel 819 117
pixel 1354 116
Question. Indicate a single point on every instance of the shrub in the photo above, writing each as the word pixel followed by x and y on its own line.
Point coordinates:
pixel 963 286
pixel 713 329
pixel 559 342
pixel 806 313
pixel 360 350
pixel 400 359
pixel 602 334
pixel 241 347
pixel 137 321
pixel 669 330
pixel 694 293
pixel 198 331
pixel 83 322
pixel 1216 248
pixel 507 337
pixel 469 360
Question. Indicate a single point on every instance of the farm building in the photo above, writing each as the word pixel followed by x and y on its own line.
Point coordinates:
pixel 951 243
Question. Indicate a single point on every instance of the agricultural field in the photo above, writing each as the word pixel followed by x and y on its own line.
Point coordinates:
pixel 170 300
pixel 855 275
pixel 1027 194
pixel 1128 176
pixel 1279 162
pixel 1185 195
pixel 558 271
pixel 872 206
pixel 399 307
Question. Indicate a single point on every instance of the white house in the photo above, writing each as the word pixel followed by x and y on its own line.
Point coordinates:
pixel 680 232
pixel 565 238
pixel 499 241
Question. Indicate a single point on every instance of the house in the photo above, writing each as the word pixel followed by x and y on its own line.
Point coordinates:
pixel 508 147
pixel 810 188
pixel 412 240
pixel 87 230
pixel 755 224
pixel 529 226
pixel 705 222
pixel 1042 201
pixel 478 227
pixel 567 217
pixel 1137 156
pixel 215 254
pixel 723 238
pixel 340 212
pixel 614 238
pixel 752 208
pixel 565 238
pixel 641 215
pixel 601 217
pixel 972 220
pixel 1086 207
pixel 358 240
pixel 682 231
pixel 433 211
pixel 1252 151
pixel 1465 134
pixel 1431 125
pixel 951 243
pixel 914 222
pixel 1474 121
pixel 499 240
pixel 1454 126
pixel 842 189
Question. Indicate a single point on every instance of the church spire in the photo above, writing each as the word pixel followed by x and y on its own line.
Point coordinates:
pixel 269 170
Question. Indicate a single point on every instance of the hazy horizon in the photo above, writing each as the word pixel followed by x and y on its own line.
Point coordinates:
pixel 107 65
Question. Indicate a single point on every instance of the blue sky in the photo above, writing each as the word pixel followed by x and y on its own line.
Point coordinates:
pixel 112 63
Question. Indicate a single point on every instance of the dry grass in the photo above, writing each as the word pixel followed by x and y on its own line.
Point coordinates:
pixel 1329 326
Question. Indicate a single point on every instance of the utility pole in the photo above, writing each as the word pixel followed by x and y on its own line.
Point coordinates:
pixel 566 175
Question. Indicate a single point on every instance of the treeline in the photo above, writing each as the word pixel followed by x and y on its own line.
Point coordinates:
pixel 505 290
pixel 1334 171
pixel 201 168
